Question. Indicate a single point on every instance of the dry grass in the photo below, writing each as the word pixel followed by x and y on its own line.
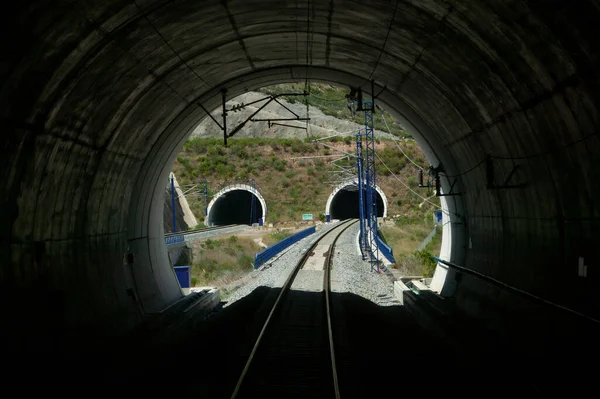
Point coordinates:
pixel 222 261
pixel 405 240
pixel 292 188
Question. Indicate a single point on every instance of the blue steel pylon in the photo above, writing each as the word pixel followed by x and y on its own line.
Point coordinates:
pixel 252 202
pixel 370 185
pixel 204 193
pixel 362 238
pixel 173 202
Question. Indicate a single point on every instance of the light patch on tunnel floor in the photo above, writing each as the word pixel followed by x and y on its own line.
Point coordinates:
pixel 309 281
pixel 317 260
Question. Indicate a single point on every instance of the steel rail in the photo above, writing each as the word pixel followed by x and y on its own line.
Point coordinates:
pixel 284 289
pixel 327 289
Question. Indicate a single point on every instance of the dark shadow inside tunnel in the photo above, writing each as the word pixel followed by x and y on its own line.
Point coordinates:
pixel 345 204
pixel 212 347
pixel 235 207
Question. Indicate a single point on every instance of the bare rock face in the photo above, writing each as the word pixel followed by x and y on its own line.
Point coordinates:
pixel 320 125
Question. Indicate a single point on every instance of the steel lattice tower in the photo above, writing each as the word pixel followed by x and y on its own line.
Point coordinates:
pixel 252 203
pixel 361 201
pixel 370 184
pixel 204 193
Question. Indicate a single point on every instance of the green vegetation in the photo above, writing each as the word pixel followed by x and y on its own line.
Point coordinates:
pixel 290 187
pixel 293 187
pixel 276 236
pixel 405 236
pixel 220 262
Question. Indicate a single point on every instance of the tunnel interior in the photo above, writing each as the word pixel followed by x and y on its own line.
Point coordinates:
pixel 345 204
pixel 99 97
pixel 235 207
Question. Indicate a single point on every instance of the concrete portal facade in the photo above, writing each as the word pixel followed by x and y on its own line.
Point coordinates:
pixel 209 220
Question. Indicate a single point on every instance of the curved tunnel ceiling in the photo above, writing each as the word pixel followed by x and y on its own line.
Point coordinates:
pixel 98 97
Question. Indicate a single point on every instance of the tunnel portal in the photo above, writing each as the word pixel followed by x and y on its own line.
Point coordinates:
pixel 235 206
pixel 345 204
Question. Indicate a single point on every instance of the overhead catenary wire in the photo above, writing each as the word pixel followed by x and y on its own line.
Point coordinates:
pixel 397 145
pixel 540 154
pixel 128 51
pixel 169 45
pixel 387 35
pixel 523 157
pixel 465 172
pixel 409 188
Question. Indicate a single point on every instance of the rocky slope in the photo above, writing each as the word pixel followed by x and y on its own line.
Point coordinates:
pixel 320 125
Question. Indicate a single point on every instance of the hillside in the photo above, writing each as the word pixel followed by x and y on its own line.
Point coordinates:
pixel 292 187
pixel 327 112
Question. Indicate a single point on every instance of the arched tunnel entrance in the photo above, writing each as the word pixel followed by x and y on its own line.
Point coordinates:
pixel 236 205
pixel 344 203
pixel 98 98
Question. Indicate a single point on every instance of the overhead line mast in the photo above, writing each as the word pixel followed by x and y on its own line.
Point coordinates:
pixel 367 179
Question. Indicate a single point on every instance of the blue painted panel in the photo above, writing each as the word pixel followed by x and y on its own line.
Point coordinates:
pixel 174 239
pixel 385 250
pixel 438 216
pixel 261 257
pixel 183 275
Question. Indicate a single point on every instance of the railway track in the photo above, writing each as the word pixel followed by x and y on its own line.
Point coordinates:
pixel 294 353
pixel 184 233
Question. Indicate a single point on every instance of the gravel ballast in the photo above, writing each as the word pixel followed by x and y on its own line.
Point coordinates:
pixel 351 274
pixel 276 270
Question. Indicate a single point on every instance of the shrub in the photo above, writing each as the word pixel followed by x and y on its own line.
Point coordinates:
pixel 412 181
pixel 427 261
pixel 279 165
pixel 185 162
pixel 240 152
pixel 245 261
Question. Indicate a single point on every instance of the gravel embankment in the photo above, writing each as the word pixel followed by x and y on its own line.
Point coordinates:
pixel 275 272
pixel 350 273
pixel 353 275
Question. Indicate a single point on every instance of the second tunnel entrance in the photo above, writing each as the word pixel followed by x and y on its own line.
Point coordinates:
pixel 344 204
pixel 235 206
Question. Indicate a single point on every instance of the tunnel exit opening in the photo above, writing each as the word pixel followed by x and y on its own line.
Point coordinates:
pixel 236 204
pixel 345 204
pixel 235 207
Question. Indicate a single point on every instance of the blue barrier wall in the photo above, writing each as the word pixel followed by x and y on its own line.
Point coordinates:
pixel 183 275
pixel 174 239
pixel 261 257
pixel 385 250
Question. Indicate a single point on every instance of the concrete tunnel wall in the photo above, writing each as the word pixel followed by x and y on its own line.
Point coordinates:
pixel 217 206
pixel 95 107
pixel 382 203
